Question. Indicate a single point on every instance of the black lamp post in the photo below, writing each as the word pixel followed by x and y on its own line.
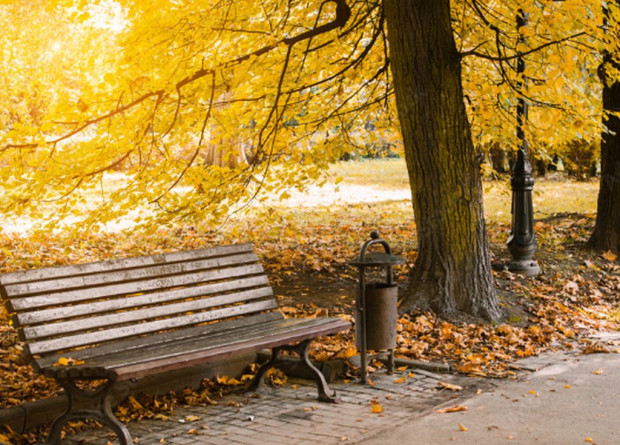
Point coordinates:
pixel 522 240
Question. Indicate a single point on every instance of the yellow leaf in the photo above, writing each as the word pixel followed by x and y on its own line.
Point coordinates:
pixel 401 380
pixel 63 361
pixel 463 427
pixel 192 418
pixel 589 440
pixel 350 352
pixel 567 386
pixel 376 407
pixel 597 372
pixel 504 329
pixel 134 403
pixel 452 409
pixel 82 106
pixel 109 78
pixel 610 256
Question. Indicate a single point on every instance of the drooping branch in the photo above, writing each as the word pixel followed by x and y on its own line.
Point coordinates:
pixel 343 13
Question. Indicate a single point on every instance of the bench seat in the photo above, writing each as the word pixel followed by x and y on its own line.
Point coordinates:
pixel 129 318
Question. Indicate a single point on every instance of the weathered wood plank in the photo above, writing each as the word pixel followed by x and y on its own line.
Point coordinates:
pixel 308 328
pixel 233 349
pixel 94 293
pixel 126 275
pixel 147 313
pixel 125 303
pixel 124 263
pixel 162 338
pixel 84 339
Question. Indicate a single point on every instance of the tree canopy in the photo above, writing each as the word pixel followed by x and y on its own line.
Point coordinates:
pixel 167 111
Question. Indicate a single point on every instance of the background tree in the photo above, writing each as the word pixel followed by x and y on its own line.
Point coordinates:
pixel 606 235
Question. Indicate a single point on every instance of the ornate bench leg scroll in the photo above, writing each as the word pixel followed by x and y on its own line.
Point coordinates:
pixel 83 404
pixel 258 380
pixel 325 395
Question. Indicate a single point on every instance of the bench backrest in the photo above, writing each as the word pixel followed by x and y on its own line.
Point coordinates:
pixel 63 308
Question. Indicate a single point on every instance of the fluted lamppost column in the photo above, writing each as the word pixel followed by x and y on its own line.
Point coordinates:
pixel 522 240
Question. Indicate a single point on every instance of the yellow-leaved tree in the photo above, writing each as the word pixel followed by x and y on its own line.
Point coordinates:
pixel 186 112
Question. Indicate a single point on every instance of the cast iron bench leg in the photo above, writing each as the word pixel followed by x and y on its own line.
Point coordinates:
pixel 325 394
pixel 83 404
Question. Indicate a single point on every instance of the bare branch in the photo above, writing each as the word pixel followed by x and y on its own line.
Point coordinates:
pixel 521 54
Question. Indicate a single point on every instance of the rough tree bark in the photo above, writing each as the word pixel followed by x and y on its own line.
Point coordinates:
pixel 453 269
pixel 606 235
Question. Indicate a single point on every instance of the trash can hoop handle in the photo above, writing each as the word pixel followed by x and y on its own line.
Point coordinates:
pixel 369 243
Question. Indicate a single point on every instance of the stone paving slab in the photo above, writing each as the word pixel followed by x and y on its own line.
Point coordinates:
pixel 291 415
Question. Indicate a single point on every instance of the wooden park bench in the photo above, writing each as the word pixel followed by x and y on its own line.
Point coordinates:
pixel 124 319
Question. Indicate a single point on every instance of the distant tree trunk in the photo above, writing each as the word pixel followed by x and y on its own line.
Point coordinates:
pixel 453 268
pixel 606 235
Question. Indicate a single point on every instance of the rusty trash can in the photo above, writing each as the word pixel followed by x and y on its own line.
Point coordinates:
pixel 381 316
pixel 376 312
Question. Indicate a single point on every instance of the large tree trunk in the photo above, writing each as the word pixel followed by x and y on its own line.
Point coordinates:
pixel 606 235
pixel 453 268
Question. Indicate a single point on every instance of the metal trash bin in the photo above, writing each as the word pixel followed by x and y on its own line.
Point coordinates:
pixel 381 316
pixel 376 312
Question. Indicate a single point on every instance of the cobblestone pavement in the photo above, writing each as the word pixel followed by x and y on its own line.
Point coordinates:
pixel 291 415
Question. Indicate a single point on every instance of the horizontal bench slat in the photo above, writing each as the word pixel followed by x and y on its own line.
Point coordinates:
pixel 124 263
pixel 232 349
pixel 160 271
pixel 308 328
pixel 162 338
pixel 148 313
pixel 116 304
pixel 95 293
pixel 145 328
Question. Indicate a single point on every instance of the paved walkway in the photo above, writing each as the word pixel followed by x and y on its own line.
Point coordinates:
pixel 557 399
pixel 291 415
pixel 576 400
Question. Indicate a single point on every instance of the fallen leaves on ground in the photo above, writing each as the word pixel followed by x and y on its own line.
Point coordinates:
pixel 577 295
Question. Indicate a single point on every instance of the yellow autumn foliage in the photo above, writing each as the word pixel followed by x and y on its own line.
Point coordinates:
pixel 163 111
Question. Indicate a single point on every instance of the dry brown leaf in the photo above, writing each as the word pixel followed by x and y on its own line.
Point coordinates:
pixel 452 409
pixel 450 386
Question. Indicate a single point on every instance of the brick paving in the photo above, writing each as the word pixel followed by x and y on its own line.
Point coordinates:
pixel 291 415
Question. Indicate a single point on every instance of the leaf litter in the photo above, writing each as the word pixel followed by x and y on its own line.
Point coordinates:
pixel 576 296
